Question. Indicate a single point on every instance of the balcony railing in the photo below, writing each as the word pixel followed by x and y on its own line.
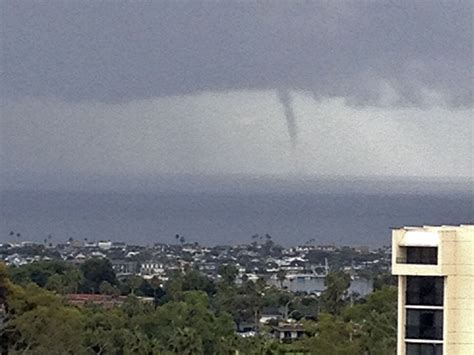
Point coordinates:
pixel 418 261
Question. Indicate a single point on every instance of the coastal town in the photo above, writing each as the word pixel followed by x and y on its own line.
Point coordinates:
pixel 266 295
pixel 236 177
pixel 298 268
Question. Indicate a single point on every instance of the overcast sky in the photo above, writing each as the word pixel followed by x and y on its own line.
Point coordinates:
pixel 361 88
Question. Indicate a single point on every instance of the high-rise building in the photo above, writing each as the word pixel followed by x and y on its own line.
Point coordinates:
pixel 435 269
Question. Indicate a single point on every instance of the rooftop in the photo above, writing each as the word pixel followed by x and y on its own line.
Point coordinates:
pixel 442 228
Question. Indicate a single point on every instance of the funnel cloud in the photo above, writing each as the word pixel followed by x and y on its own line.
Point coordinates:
pixel 284 96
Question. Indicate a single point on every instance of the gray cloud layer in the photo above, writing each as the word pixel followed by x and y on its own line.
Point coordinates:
pixel 145 88
pixel 231 133
pixel 118 51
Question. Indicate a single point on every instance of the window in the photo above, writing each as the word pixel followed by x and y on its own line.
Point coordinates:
pixel 425 290
pixel 422 255
pixel 424 349
pixel 424 324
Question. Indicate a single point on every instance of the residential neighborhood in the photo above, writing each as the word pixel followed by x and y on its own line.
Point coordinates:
pixel 297 269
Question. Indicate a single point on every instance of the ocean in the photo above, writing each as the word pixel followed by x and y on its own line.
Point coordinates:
pixel 226 218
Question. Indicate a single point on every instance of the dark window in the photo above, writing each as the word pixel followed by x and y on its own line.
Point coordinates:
pixel 424 324
pixel 425 290
pixel 424 349
pixel 422 255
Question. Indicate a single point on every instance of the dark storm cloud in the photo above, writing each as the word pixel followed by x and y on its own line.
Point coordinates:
pixel 118 51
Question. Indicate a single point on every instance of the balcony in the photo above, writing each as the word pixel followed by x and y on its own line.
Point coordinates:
pixel 421 261
pixel 419 255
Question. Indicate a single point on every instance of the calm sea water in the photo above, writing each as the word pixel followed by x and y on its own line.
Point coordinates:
pixel 348 219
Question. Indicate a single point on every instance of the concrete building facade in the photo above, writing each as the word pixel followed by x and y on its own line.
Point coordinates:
pixel 435 269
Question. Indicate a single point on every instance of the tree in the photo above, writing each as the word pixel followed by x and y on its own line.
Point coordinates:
pixel 334 296
pixel 39 272
pixel 56 283
pixel 6 286
pixel 193 280
pixel 39 323
pixel 105 331
pixel 72 280
pixel 134 283
pixel 377 318
pixel 134 307
pixel 257 345
pixel 48 330
pixel 185 326
pixel 174 287
pixel 65 283
pixel 6 290
pixel 276 298
pixel 155 284
pixel 384 279
pixel 281 275
pixel 186 341
pixel 332 336
pixel 197 326
pixel 95 271
pixel 228 273
pixel 243 303
pixel 136 342
pixel 106 288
